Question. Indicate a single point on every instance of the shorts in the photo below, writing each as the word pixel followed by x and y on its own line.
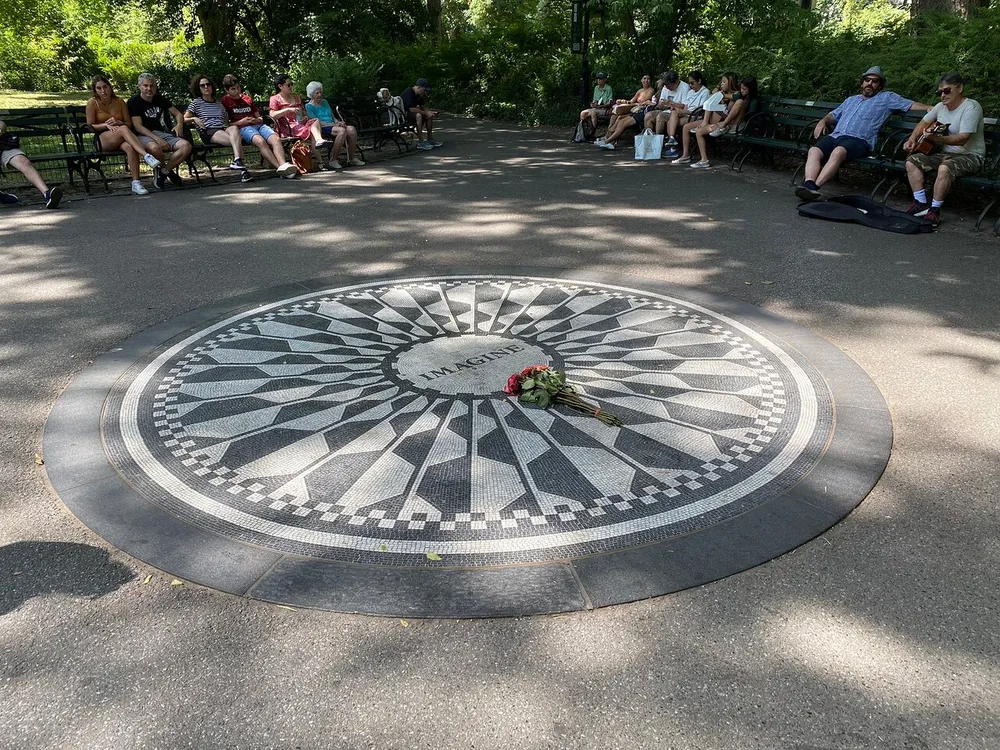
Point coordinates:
pixel 171 139
pixel 959 165
pixel 597 111
pixel 640 118
pixel 328 130
pixel 249 132
pixel 6 156
pixel 207 134
pixel 855 147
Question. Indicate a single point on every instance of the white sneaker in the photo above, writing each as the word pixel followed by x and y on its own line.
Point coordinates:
pixel 701 165
pixel 357 161
pixel 671 141
pixel 719 131
pixel 138 189
pixel 152 161
pixel 608 146
pixel 285 168
pixel 322 142
pixel 600 141
pixel 682 160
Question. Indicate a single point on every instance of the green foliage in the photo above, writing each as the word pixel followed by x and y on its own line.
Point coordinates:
pixel 342 77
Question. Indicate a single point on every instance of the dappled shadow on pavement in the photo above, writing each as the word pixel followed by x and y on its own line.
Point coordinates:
pixel 881 633
pixel 29 569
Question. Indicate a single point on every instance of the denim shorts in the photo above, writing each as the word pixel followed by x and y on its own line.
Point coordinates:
pixel 249 132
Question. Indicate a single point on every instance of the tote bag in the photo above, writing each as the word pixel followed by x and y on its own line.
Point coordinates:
pixel 648 146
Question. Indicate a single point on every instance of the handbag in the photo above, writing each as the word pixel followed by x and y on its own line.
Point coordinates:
pixel 9 142
pixel 302 157
pixel 648 146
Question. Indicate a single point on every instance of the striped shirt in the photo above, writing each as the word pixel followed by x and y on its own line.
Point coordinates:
pixel 862 117
pixel 212 114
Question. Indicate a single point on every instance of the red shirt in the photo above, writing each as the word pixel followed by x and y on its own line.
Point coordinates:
pixel 239 108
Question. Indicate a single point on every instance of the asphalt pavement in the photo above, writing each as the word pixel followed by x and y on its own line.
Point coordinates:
pixel 882 633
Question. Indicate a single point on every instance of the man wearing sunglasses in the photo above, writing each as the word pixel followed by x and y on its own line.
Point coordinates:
pixel 962 146
pixel 857 122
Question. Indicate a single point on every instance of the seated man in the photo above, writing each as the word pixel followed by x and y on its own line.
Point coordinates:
pixel 12 156
pixel 148 110
pixel 418 114
pixel 600 102
pixel 959 134
pixel 858 120
pixel 673 92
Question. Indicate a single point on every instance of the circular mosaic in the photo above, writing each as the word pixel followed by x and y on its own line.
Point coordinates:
pixel 367 423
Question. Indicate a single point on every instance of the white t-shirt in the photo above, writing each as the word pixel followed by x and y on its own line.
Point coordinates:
pixel 695 99
pixel 677 94
pixel 965 118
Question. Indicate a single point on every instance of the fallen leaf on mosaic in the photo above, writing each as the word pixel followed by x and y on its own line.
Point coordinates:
pixel 541 385
pixel 38 459
pixel 433 556
pixel 177 582
pixel 147 579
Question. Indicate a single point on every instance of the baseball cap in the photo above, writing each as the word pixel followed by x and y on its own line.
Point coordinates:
pixel 599 76
pixel 422 82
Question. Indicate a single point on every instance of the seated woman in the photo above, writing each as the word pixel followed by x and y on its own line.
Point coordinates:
pixel 340 131
pixel 12 156
pixel 243 114
pixel 744 105
pixel 627 114
pixel 108 117
pixel 212 121
pixel 722 97
pixel 289 116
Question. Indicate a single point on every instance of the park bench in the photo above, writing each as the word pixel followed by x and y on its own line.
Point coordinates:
pixel 46 136
pixel 786 126
pixel 377 123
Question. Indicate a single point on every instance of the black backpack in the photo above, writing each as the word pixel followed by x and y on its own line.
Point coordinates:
pixel 861 210
pixel 584 132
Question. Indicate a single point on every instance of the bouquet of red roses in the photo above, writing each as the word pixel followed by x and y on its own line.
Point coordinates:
pixel 539 384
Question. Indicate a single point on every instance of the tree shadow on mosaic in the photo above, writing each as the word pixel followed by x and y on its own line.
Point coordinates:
pixel 43 568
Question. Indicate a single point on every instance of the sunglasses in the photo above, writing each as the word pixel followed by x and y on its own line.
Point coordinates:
pixel 204 85
pixel 945 91
pixel 872 80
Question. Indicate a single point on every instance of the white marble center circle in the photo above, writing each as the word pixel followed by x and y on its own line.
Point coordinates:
pixel 467 365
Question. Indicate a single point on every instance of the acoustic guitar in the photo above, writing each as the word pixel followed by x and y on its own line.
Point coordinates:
pixel 924 146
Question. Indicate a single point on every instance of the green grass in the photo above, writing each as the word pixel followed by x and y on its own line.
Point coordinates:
pixel 28 99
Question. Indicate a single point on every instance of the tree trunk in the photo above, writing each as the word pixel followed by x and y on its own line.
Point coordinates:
pixel 434 13
pixel 217 25
pixel 673 29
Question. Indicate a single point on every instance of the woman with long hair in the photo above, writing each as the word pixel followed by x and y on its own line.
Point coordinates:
pixel 713 112
pixel 746 103
pixel 210 117
pixel 108 117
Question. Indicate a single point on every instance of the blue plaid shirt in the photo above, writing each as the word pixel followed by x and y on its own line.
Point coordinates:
pixel 863 117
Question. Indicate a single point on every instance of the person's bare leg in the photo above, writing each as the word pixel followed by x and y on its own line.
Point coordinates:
pixel 118 141
pixel 235 141
pixel 593 118
pixel 686 137
pixel 180 153
pixel 23 165
pixel 339 139
pixel 700 135
pixel 317 132
pixel 430 128
pixel 915 176
pixel 420 127
pixel 265 151
pixel 832 166
pixel 942 183
pixel 672 124
pixel 352 142
pixel 814 163
pixel 279 151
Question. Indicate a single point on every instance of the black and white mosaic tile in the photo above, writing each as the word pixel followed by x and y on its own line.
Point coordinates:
pixel 367 423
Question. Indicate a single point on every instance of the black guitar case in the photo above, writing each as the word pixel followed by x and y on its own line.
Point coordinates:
pixel 861 210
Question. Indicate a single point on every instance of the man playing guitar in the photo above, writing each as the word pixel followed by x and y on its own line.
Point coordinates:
pixel 955 126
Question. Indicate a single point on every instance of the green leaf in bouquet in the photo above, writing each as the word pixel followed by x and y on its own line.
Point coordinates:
pixel 528 384
pixel 529 396
pixel 544 399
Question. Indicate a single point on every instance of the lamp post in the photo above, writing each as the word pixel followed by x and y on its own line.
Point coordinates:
pixel 580 44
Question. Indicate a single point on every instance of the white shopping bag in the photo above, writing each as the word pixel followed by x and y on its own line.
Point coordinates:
pixel 648 146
